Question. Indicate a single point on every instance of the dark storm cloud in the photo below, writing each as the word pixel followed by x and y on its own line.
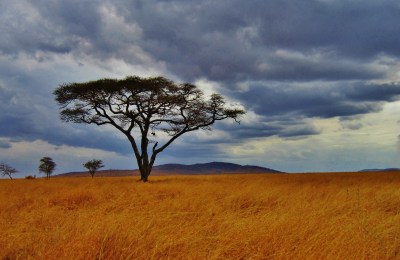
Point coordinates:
pixel 221 40
pixel 374 92
pixel 25 118
pixel 287 127
pixel 324 100
pixel 23 30
pixel 331 47
pixel 20 129
pixel 81 28
pixel 235 40
pixel 299 131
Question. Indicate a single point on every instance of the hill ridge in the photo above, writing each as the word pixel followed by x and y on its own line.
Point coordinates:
pixel 380 170
pixel 182 169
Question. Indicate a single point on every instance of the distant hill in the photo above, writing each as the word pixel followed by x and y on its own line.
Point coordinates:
pixel 212 168
pixel 170 169
pixel 381 170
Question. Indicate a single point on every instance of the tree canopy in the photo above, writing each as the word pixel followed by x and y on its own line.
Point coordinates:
pixel 47 166
pixel 93 166
pixel 150 112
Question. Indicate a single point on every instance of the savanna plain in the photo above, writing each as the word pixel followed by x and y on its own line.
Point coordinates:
pixel 257 216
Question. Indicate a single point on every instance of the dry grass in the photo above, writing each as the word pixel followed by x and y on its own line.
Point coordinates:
pixel 334 216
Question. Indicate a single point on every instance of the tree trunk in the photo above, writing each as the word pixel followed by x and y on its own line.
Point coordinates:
pixel 144 167
pixel 144 175
pixel 145 171
pixel 143 178
pixel 143 162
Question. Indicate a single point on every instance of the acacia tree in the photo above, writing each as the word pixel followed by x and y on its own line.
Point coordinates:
pixel 93 166
pixel 47 166
pixel 5 169
pixel 150 112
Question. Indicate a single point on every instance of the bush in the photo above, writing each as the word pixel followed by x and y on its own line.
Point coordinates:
pixel 30 177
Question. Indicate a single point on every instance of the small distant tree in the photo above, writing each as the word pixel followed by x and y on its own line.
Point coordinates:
pixel 93 166
pixel 47 166
pixel 5 169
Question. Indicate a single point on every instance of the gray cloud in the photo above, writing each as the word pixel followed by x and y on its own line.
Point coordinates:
pixel 374 92
pixel 255 130
pixel 224 41
pixel 228 41
pixel 302 59
pixel 324 100
pixel 299 131
pixel 29 116
pixel 285 126
pixel 5 144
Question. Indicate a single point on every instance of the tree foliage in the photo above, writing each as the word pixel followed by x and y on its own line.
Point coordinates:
pixel 47 166
pixel 93 166
pixel 150 112
pixel 5 169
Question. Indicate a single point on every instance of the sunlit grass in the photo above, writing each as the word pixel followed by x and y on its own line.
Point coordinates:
pixel 336 216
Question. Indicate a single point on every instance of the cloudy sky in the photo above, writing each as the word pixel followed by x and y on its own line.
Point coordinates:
pixel 320 79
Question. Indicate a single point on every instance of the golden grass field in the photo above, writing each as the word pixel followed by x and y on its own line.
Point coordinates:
pixel 282 216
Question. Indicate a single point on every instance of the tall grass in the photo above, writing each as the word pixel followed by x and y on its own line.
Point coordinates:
pixel 334 216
